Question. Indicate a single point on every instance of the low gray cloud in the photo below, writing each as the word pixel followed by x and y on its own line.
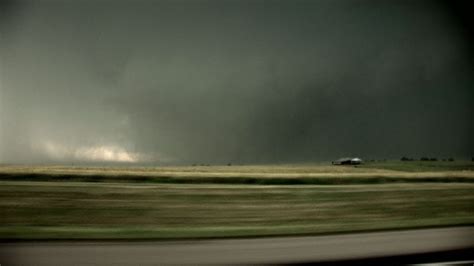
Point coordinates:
pixel 233 81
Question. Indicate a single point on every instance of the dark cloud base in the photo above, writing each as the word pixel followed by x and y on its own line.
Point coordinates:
pixel 234 81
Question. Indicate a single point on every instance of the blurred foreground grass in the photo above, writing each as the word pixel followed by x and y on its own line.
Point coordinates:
pixel 107 210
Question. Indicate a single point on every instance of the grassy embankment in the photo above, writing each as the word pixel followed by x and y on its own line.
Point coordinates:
pixel 128 203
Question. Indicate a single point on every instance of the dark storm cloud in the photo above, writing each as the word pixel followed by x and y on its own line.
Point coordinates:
pixel 239 81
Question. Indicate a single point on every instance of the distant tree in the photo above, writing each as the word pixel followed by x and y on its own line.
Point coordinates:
pixel 404 158
pixel 433 159
pixel 229 164
pixel 424 159
pixel 451 159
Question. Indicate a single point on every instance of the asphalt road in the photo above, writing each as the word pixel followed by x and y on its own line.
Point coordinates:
pixel 278 250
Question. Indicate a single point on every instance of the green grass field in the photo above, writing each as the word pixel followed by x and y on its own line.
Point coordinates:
pixel 421 166
pixel 127 203
pixel 303 174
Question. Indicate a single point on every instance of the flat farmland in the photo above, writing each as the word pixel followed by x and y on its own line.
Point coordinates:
pixel 45 202
pixel 317 174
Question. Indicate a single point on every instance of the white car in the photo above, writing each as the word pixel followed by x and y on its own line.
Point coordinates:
pixel 346 161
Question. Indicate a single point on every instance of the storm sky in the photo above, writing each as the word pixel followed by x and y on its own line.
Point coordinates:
pixel 179 82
